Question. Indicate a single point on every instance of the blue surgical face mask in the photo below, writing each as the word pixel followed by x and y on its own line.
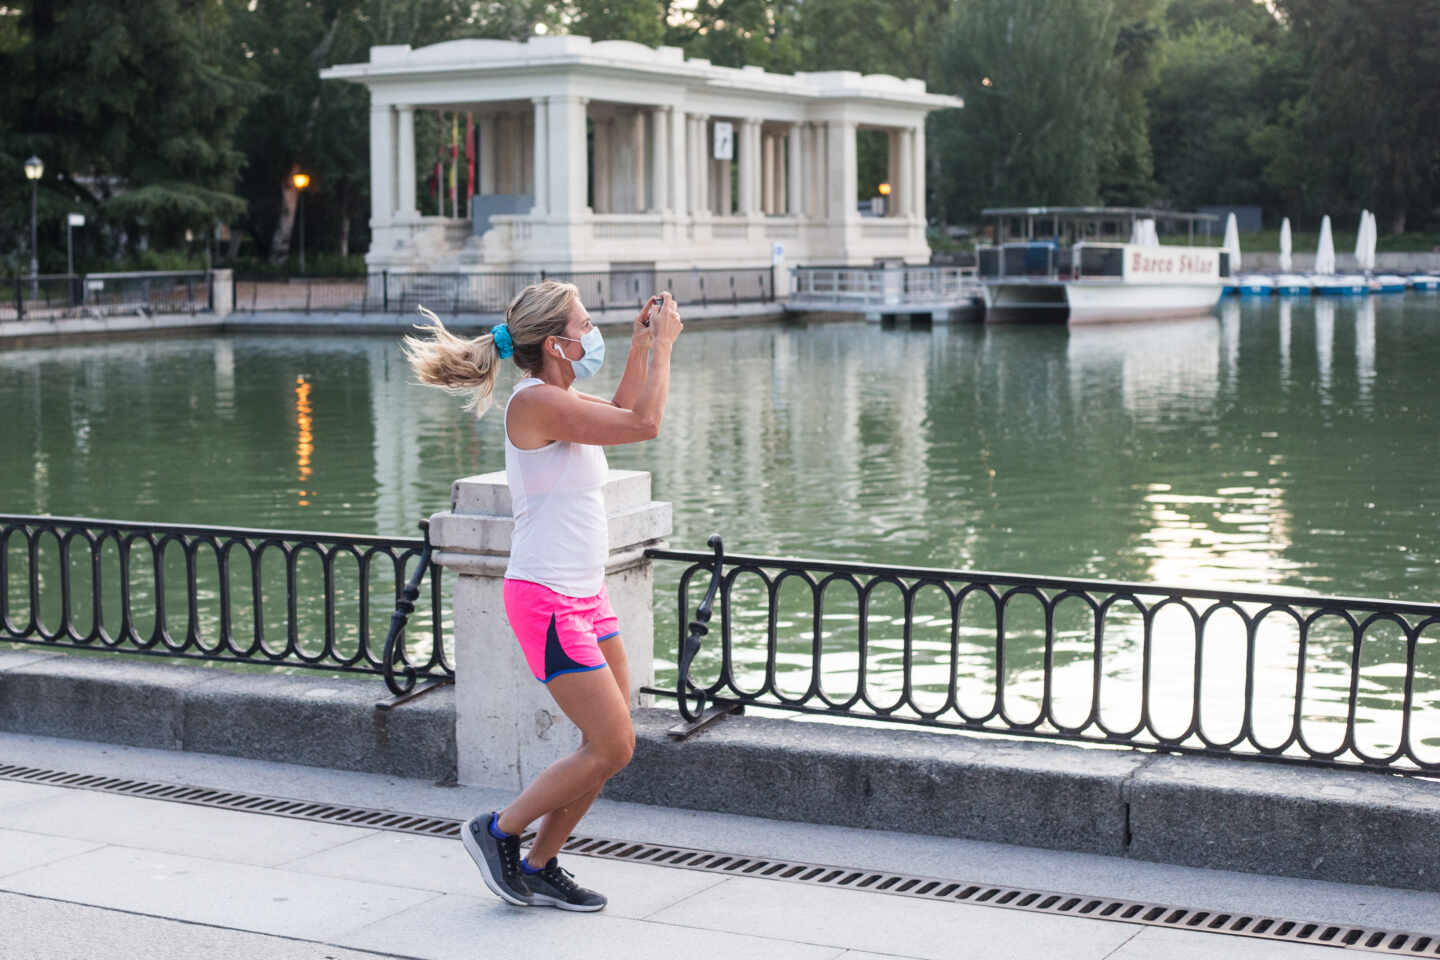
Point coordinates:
pixel 594 345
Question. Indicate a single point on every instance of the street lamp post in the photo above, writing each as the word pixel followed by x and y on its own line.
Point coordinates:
pixel 301 181
pixel 34 169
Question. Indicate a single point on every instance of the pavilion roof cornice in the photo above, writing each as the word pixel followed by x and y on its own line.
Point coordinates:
pixel 540 56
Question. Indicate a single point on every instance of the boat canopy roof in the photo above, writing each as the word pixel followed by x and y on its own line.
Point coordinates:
pixel 1089 213
pixel 1068 225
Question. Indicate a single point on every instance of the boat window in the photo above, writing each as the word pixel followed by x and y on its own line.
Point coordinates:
pixel 988 261
pixel 1102 261
pixel 1224 263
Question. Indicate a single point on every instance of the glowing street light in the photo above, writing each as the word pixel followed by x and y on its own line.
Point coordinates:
pixel 884 189
pixel 34 170
pixel 301 181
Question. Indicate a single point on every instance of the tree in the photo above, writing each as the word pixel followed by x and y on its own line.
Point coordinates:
pixel 134 106
pixel 1372 101
pixel 1034 75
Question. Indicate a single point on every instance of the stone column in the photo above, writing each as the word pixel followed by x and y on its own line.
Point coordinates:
pixel 676 123
pixel 507 726
pixel 795 181
pixel 382 164
pixel 901 202
pixel 724 201
pixel 602 165
pixel 540 167
pixel 703 163
pixel 640 173
pixel 767 174
pixel 917 192
pixel 660 160
pixel 750 158
pixel 568 173
pixel 842 171
pixel 489 154
pixel 405 167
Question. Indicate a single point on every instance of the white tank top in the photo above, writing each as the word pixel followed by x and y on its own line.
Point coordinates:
pixel 561 536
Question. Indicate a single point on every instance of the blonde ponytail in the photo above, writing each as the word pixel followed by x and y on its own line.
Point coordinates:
pixel 468 367
pixel 455 364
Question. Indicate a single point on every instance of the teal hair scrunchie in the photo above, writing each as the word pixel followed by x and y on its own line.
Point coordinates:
pixel 503 343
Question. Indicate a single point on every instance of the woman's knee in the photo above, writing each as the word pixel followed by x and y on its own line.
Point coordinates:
pixel 615 751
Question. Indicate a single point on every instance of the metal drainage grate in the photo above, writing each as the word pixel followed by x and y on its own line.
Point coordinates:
pixel 1258 926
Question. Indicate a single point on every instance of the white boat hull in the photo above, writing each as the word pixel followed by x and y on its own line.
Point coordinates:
pixel 1098 301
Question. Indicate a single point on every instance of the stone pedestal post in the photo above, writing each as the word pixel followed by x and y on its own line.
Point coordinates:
pixel 507 727
pixel 222 292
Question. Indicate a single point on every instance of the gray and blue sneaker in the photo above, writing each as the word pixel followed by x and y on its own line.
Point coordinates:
pixel 497 854
pixel 552 885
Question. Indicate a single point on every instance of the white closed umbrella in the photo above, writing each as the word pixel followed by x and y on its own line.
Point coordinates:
pixel 1152 237
pixel 1372 239
pixel 1137 232
pixel 1232 242
pixel 1285 242
pixel 1362 243
pixel 1325 252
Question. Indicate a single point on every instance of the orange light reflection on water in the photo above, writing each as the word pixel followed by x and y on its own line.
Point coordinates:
pixel 305 439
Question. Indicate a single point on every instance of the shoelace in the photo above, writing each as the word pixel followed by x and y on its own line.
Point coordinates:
pixel 510 855
pixel 560 878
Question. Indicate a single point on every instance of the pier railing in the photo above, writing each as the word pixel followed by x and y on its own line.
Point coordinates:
pixel 321 601
pixel 878 286
pixel 1330 681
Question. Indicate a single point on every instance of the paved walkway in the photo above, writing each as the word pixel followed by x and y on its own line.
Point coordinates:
pixel 87 874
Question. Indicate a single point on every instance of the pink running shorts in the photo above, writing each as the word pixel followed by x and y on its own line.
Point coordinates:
pixel 559 634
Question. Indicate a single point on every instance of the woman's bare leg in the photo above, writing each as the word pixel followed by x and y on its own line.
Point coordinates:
pixel 557 825
pixel 593 703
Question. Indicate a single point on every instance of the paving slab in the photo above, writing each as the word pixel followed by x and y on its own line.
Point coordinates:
pixel 881 924
pixel 13 793
pixel 443 866
pixel 40 929
pixel 22 851
pixel 238 896
pixel 181 828
pixel 455 927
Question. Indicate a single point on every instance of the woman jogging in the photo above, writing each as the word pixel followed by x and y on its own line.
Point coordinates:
pixel 555 583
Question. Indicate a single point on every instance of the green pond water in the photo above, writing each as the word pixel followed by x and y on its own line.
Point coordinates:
pixel 1273 445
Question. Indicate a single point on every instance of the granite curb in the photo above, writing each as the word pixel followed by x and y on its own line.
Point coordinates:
pixel 1250 816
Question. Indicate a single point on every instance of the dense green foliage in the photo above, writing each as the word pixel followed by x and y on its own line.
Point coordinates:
pixel 160 119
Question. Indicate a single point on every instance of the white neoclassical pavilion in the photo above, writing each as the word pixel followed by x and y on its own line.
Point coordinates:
pixel 597 156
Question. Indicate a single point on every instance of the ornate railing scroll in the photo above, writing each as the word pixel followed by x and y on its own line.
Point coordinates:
pixel 691 637
pixel 265 597
pixel 404 606
pixel 1318 680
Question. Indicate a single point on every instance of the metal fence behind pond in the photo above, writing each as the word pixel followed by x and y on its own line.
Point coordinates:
pixel 276 598
pixel 490 293
pixel 1327 681
pixel 65 296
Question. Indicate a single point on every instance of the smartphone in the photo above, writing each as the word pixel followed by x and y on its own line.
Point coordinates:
pixel 654 302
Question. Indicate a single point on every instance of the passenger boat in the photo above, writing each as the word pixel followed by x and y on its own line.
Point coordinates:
pixel 1075 264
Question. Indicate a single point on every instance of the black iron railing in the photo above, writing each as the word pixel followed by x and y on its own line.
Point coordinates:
pixel 65 296
pixel 392 292
pixel 1330 681
pixel 267 597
